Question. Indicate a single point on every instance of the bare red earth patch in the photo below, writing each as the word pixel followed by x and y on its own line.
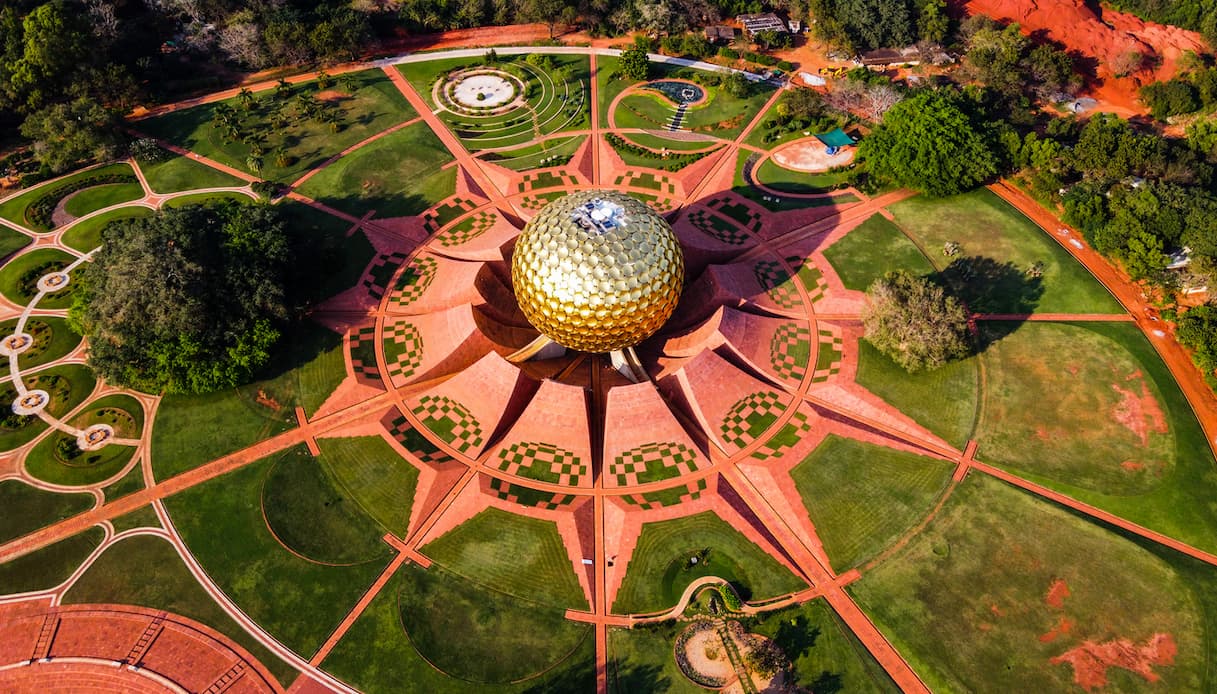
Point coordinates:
pixel 1062 627
pixel 1132 466
pixel 267 401
pixel 1139 413
pixel 1057 592
pixel 1091 660
pixel 996 610
pixel 332 95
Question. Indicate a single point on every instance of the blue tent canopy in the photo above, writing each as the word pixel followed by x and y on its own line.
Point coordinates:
pixel 835 138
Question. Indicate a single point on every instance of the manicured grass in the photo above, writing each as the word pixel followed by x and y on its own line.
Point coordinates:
pixel 375 105
pixel 203 198
pixel 48 567
pixel 67 385
pixel 19 278
pixel 28 508
pixel 780 203
pixel 298 601
pixel 607 88
pixel 374 476
pixel 788 181
pixel 49 463
pixel 101 197
pixel 11 241
pixel 944 400
pixel 148 572
pixel 824 654
pixel 178 173
pixel 140 518
pixel 659 142
pixel 397 175
pixel 551 152
pixel 642 660
pixel 873 249
pixel 15 208
pixel 86 235
pixel 523 557
pixel 53 339
pixel 337 261
pixel 986 226
pixel 967 600
pixel 862 497
pixel 308 513
pixel 193 429
pixel 657 573
pixel 377 656
pixel 130 483
pixel 722 115
pixel 1173 495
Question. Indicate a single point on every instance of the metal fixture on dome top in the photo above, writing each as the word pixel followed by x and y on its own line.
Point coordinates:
pixel 597 271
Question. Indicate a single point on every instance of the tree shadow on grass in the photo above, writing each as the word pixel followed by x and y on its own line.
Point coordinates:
pixel 634 678
pixel 988 286
pixel 797 637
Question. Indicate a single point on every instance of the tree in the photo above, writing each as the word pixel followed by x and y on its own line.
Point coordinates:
pixel 915 322
pixel 635 65
pixel 737 85
pixel 67 134
pixel 1197 330
pixel 188 301
pixel 929 143
pixel 1170 98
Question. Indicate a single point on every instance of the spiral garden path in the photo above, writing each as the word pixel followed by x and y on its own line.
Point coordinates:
pixel 404 505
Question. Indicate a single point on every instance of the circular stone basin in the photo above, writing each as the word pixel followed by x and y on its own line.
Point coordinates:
pixel 483 91
pixel 95 437
pixel 683 93
pixel 15 344
pixel 32 402
pixel 53 281
pixel 811 156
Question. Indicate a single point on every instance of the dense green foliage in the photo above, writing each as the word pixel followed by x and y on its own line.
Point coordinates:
pixel 915 322
pixel 1184 94
pixel 1198 15
pixel 634 64
pixel 861 25
pixel 190 300
pixel 929 142
pixel 1198 330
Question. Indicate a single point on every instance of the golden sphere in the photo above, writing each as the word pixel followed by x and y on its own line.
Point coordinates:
pixel 597 271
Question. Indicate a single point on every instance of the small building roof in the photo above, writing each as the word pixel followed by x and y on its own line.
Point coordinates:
pixel 766 21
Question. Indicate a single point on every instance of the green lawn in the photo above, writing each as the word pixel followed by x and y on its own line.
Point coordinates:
pixel 1007 244
pixel 551 152
pixel 49 463
pixel 1174 492
pixel 659 569
pixel 373 476
pixel 85 235
pixel 148 572
pixel 53 339
pixel 824 653
pixel 967 600
pixel 873 249
pixel 67 385
pixel 11 241
pixel 373 106
pixel 659 142
pixel 862 497
pixel 641 660
pixel 333 262
pixel 140 518
pixel 19 278
pixel 193 429
pixel 296 600
pixel 398 175
pixel 307 512
pixel 177 173
pixel 788 181
pixel 607 88
pixel 944 400
pixel 48 567
pixel 481 634
pixel 722 115
pixel 523 557
pixel 130 483
pixel 28 508
pixel 101 197
pixel 16 208
pixel 203 198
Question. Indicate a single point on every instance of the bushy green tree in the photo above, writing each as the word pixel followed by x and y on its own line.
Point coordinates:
pixel 928 142
pixel 188 301
pixel 1197 329
pixel 67 134
pixel 634 64
pixel 1170 98
pixel 915 322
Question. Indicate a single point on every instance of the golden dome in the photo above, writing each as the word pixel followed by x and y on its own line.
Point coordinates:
pixel 597 271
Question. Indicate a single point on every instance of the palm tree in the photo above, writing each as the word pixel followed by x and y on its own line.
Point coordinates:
pixel 254 164
pixel 246 98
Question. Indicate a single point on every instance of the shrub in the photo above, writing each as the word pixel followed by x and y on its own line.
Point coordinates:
pixel 728 53
pixel 39 213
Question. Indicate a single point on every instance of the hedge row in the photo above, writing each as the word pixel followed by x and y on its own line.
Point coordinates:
pixel 672 162
pixel 39 213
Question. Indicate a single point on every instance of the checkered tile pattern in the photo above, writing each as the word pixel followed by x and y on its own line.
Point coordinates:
pixel 775 280
pixel 667 497
pixel 718 227
pixel 414 441
pixel 376 279
pixel 403 351
pixel 739 212
pixel 363 354
pixel 828 356
pixel 794 429
pixel 435 218
pixel 646 179
pixel 451 421
pixel 542 461
pixel 789 351
pixel 811 277
pixel 526 496
pixel 545 179
pixel 536 202
pixel 656 202
pixel 467 230
pixel 652 462
pixel 413 281
pixel 749 418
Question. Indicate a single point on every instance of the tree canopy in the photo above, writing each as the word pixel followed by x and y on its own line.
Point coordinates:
pixel 190 300
pixel 635 65
pixel 930 143
pixel 915 322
